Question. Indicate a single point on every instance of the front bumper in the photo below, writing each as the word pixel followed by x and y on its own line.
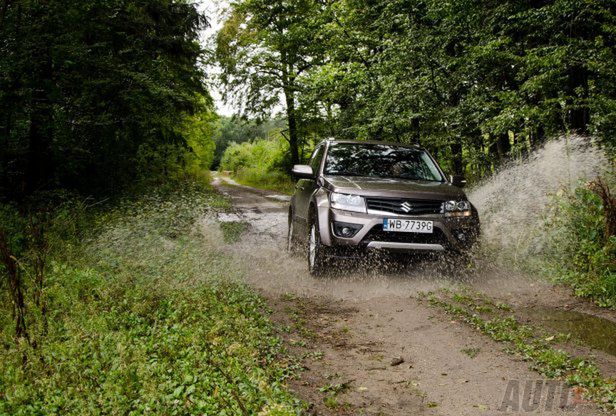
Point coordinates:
pixel 457 234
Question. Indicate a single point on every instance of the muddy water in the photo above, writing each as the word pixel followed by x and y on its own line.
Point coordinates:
pixel 511 203
pixel 387 320
pixel 510 206
pixel 596 332
pixel 269 267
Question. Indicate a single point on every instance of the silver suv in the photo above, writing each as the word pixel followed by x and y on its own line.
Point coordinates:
pixel 359 196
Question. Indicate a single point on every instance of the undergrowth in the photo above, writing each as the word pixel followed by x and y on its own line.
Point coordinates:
pixel 261 163
pixel 270 180
pixel 143 316
pixel 581 241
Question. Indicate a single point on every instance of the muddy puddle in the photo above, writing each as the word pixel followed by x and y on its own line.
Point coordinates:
pixel 596 332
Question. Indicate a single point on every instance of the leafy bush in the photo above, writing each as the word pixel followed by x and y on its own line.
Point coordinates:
pixel 144 316
pixel 581 245
pixel 236 130
pixel 261 163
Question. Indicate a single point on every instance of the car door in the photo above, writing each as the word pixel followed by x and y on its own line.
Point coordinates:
pixel 306 187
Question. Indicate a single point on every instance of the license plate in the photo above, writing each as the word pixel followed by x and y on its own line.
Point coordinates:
pixel 407 226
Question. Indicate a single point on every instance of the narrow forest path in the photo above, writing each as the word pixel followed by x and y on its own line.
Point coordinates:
pixel 349 328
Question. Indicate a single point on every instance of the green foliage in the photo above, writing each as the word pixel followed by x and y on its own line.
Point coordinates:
pixel 579 248
pixel 475 82
pixel 144 316
pixel 14 225
pixel 92 93
pixel 234 130
pixel 261 163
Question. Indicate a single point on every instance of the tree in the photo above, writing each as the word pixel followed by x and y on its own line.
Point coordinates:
pixel 473 81
pixel 85 87
pixel 263 49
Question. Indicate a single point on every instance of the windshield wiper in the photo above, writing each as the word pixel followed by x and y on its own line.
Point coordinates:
pixel 344 174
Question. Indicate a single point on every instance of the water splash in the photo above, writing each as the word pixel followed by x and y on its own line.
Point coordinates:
pixel 511 203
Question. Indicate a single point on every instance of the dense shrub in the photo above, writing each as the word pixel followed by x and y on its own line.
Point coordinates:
pixel 237 130
pixel 262 163
pixel 581 245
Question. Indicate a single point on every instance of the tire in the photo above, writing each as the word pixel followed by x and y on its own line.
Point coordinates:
pixel 291 240
pixel 317 256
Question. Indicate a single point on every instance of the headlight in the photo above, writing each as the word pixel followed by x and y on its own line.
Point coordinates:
pixel 457 208
pixel 347 202
pixel 463 206
pixel 450 206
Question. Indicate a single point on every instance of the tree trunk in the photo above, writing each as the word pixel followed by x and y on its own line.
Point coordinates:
pixel 456 152
pixel 15 287
pixel 289 95
pixel 579 115
pixel 292 121
pixel 503 146
pixel 415 131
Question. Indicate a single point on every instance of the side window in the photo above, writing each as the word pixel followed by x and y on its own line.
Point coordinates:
pixel 315 160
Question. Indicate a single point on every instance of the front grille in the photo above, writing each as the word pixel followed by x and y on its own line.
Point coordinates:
pixel 377 234
pixel 415 206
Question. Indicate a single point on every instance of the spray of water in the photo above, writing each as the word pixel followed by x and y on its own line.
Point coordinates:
pixel 512 202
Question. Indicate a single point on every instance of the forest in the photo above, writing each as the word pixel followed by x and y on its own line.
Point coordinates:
pixel 109 137
pixel 117 90
pixel 473 82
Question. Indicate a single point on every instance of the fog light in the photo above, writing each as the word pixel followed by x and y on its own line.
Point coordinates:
pixel 346 230
pixel 459 214
pixel 461 236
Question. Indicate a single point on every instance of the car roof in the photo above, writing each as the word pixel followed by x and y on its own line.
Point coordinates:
pixel 335 141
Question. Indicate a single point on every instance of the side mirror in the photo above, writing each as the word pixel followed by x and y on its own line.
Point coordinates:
pixel 457 180
pixel 302 172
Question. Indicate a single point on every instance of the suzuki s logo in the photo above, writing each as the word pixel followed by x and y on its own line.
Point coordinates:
pixel 406 207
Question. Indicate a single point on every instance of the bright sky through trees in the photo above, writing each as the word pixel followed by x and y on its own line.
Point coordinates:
pixel 213 9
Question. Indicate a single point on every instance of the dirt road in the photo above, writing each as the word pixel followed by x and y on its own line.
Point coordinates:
pixel 351 328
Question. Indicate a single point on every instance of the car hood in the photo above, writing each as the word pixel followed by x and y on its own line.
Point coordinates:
pixel 392 188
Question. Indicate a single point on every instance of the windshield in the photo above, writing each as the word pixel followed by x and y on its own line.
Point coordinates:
pixel 381 161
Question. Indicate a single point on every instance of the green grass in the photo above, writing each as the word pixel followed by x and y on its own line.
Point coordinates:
pixel 232 231
pixel 146 316
pixel 497 321
pixel 273 180
pixel 472 352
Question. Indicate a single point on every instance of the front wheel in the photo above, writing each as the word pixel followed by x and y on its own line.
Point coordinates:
pixel 291 241
pixel 316 252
